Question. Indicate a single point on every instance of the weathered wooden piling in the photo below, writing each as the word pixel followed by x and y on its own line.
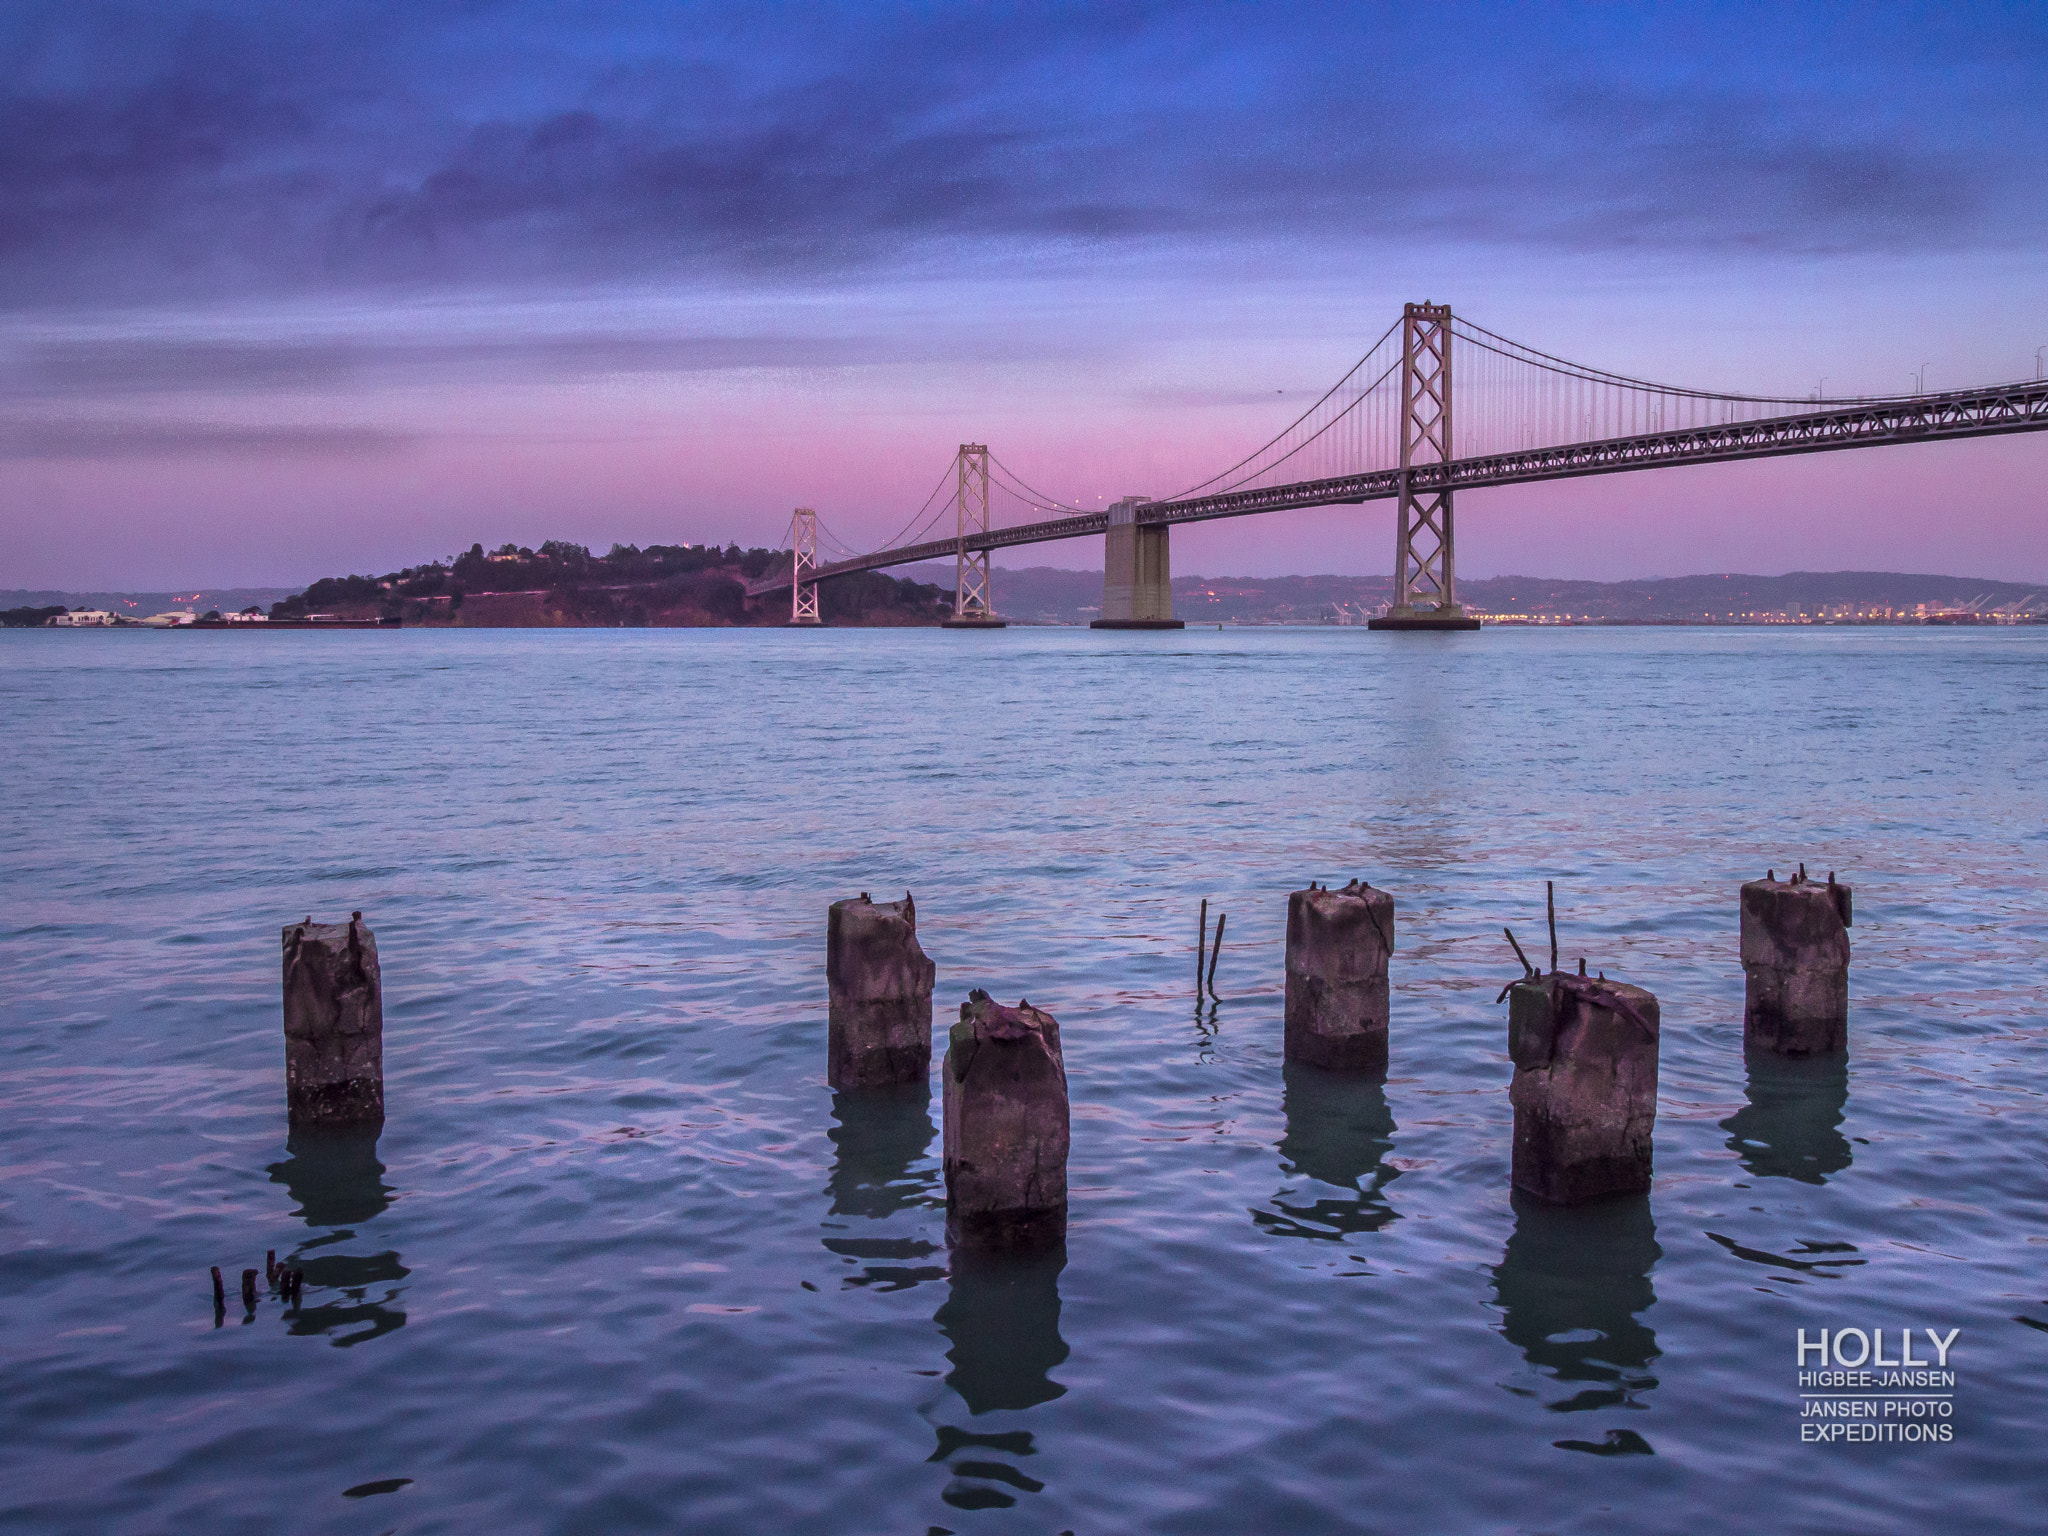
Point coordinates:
pixel 1795 956
pixel 333 1023
pixel 1006 1127
pixel 1338 945
pixel 248 1287
pixel 1585 1085
pixel 880 982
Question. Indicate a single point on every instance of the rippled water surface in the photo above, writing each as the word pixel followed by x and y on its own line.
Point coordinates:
pixel 620 1261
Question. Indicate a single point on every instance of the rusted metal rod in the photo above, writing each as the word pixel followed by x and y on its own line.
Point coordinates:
pixel 1550 908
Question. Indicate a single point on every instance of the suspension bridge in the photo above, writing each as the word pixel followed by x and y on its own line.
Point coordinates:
pixel 1384 432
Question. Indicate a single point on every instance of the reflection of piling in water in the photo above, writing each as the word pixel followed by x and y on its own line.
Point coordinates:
pixel 1006 1126
pixel 334 1175
pixel 1573 1285
pixel 1339 1132
pixel 880 982
pixel 1795 961
pixel 1789 1129
pixel 879 1136
pixel 1338 945
pixel 1585 1086
pixel 333 1024
pixel 1002 1319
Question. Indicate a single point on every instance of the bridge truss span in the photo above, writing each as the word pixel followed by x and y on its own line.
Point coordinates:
pixel 1384 432
pixel 1971 413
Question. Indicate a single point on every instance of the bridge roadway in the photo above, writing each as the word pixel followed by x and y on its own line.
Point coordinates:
pixel 1918 419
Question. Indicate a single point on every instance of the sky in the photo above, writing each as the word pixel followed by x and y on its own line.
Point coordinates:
pixel 292 290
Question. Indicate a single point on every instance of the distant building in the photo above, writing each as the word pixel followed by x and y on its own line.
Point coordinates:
pixel 169 620
pixel 83 618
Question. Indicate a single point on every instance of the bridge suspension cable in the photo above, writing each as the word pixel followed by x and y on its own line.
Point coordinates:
pixel 1439 403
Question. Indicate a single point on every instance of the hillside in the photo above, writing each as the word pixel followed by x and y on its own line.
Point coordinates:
pixel 693 585
pixel 1044 594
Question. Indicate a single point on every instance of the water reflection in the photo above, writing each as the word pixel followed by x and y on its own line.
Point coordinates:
pixel 1339 1132
pixel 881 1167
pixel 335 1177
pixel 1002 1319
pixel 1573 1286
pixel 1790 1129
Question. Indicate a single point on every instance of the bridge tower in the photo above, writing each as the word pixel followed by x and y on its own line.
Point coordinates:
pixel 972 606
pixel 803 544
pixel 1425 548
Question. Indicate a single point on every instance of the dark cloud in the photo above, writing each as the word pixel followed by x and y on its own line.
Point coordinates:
pixel 87 439
pixel 147 366
pixel 345 147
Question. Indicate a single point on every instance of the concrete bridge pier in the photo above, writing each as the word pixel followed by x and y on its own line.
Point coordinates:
pixel 1137 577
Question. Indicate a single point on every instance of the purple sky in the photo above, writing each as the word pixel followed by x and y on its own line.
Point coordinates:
pixel 286 291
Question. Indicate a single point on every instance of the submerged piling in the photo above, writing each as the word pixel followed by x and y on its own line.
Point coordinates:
pixel 1006 1127
pixel 1585 1085
pixel 1795 960
pixel 1338 945
pixel 333 1023
pixel 880 982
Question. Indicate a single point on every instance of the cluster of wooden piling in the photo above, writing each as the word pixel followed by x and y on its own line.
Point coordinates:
pixel 1584 1048
pixel 290 1284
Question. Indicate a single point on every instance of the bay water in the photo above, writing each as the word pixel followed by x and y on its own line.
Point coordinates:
pixel 621 1261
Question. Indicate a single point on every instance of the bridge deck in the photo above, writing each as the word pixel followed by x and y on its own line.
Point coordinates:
pixel 1926 418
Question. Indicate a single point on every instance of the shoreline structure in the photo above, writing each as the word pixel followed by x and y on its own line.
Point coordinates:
pixel 685 586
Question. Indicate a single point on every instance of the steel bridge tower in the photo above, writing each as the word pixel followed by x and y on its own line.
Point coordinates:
pixel 1425 548
pixel 972 607
pixel 803 588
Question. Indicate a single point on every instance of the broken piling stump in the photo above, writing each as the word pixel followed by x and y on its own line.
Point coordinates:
pixel 880 982
pixel 333 1024
pixel 1006 1127
pixel 1795 960
pixel 1585 1086
pixel 1338 945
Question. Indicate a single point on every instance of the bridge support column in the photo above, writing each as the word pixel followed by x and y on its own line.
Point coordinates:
pixel 1137 575
pixel 803 545
pixel 973 608
pixel 1425 550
